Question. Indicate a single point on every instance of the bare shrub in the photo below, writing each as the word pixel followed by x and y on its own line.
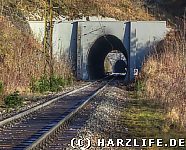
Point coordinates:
pixel 119 9
pixel 22 58
pixel 164 76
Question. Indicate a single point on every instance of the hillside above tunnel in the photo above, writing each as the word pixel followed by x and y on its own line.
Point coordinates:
pixel 34 9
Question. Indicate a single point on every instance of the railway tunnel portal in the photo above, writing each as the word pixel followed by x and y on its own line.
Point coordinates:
pixel 87 43
pixel 98 52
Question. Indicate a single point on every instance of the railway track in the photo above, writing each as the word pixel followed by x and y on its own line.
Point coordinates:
pixel 38 101
pixel 32 128
pixel 61 139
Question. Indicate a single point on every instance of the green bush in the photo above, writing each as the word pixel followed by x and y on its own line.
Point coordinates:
pixel 1 87
pixel 53 84
pixel 13 100
pixel 69 81
pixel 40 85
pixel 139 88
pixel 1 90
pixel 56 83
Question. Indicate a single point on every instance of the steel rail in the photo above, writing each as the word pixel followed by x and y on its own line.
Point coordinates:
pixel 36 108
pixel 59 125
pixel 24 129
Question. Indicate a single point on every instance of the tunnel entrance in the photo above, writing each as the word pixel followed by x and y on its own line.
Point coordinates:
pixel 98 53
pixel 120 67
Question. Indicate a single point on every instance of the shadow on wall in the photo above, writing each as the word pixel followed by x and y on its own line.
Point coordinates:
pixel 144 50
pixel 132 56
pixel 139 52
pixel 73 47
pixel 126 41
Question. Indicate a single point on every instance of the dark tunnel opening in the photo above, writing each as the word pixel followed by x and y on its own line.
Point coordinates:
pixel 98 53
pixel 120 67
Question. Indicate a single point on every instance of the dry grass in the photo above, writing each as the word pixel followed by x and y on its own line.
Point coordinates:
pixel 34 10
pixel 22 58
pixel 119 9
pixel 164 76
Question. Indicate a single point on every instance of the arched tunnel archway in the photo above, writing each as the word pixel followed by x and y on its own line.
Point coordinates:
pixel 120 67
pixel 98 53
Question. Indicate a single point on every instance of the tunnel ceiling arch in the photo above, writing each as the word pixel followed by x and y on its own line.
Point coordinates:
pixel 99 50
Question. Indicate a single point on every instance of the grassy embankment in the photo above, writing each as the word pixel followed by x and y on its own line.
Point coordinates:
pixel 22 58
pixel 22 64
pixel 162 83
pixel 147 119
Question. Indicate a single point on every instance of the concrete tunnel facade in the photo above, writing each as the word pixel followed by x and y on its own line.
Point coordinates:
pixel 86 43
